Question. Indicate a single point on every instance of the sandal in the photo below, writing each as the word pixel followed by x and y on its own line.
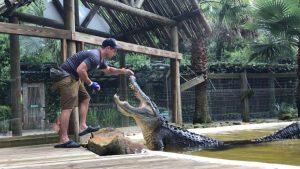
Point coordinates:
pixel 68 144
pixel 89 129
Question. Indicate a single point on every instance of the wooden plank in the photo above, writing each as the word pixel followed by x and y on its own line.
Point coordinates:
pixel 191 83
pixel 133 11
pixel 46 157
pixel 27 30
pixel 55 24
pixel 38 20
pixel 92 32
pixel 77 36
pixel 250 75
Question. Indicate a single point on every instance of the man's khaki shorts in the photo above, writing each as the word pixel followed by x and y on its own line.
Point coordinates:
pixel 71 91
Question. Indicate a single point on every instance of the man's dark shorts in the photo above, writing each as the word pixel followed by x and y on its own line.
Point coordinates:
pixel 71 91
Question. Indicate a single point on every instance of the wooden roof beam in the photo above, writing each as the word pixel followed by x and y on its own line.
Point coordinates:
pixel 127 46
pixel 125 2
pixel 59 7
pixel 27 30
pixel 134 11
pixel 178 18
pixel 90 16
pixel 202 18
pixel 55 24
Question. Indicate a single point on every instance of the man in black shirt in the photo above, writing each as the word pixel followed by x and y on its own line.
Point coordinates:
pixel 73 92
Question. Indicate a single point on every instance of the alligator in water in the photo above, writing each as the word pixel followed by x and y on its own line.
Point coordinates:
pixel 159 135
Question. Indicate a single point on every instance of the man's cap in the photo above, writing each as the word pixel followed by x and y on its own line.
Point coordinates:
pixel 111 42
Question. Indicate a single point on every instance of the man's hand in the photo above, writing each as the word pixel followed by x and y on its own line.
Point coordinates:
pixel 128 72
pixel 95 86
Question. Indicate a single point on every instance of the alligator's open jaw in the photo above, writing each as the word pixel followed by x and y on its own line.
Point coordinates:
pixel 144 108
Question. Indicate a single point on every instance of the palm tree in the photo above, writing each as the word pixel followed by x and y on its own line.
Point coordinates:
pixel 227 16
pixel 199 66
pixel 281 18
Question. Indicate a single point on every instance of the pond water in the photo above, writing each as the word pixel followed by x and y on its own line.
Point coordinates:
pixel 280 152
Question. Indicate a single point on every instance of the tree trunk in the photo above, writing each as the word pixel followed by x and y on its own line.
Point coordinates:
pixel 199 66
pixel 298 75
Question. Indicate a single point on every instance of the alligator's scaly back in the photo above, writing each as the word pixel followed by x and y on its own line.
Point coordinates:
pixel 292 131
pixel 160 135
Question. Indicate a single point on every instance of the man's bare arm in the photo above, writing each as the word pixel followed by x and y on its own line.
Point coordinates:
pixel 82 72
pixel 115 71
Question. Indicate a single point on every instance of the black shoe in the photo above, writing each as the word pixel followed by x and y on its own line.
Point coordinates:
pixel 69 144
pixel 88 130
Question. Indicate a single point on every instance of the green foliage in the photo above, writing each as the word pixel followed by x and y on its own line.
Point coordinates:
pixel 5 116
pixel 231 67
pixel 278 16
pixel 186 60
pixel 270 49
pixel 285 111
pixel 5 112
pixel 106 117
pixel 137 61
pixel 4 64
pixel 39 50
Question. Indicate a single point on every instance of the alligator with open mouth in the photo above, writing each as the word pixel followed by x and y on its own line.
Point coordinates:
pixel 160 135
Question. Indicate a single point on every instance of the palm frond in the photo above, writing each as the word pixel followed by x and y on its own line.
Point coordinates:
pixel 271 49
pixel 277 16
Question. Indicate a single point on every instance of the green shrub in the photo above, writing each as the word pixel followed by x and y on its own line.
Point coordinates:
pixel 286 111
pixel 5 115
pixel 5 112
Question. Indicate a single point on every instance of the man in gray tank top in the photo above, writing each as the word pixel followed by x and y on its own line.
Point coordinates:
pixel 73 92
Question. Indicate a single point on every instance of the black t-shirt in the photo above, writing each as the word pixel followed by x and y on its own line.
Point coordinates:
pixel 91 58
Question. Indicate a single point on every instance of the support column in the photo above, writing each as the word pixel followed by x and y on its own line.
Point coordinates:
pixel 69 21
pixel 15 80
pixel 175 80
pixel 245 98
pixel 64 54
pixel 272 95
pixel 123 86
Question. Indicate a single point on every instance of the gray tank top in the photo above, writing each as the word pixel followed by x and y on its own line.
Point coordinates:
pixel 91 58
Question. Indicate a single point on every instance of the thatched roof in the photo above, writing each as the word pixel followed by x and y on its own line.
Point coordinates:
pixel 143 31
pixel 147 23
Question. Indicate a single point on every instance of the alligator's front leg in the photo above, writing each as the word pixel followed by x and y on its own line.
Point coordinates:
pixel 159 145
pixel 155 143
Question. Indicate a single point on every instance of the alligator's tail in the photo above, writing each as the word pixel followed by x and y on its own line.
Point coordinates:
pixel 292 131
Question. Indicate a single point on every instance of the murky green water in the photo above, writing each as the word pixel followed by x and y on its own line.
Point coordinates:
pixel 281 152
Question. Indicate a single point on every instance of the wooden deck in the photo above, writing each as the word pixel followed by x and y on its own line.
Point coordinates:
pixel 47 157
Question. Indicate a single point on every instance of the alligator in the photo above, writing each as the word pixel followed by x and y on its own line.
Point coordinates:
pixel 160 135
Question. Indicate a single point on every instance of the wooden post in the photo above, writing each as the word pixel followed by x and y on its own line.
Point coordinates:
pixel 64 54
pixel 15 76
pixel 79 46
pixel 69 21
pixel 175 80
pixel 123 85
pixel 272 95
pixel 245 98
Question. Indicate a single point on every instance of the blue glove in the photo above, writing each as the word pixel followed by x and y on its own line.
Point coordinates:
pixel 95 86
